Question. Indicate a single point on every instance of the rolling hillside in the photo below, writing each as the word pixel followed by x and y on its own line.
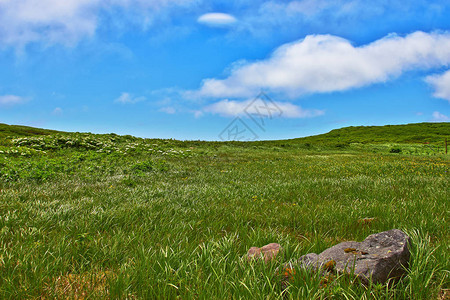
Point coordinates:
pixel 20 131
pixel 418 133
pixel 103 216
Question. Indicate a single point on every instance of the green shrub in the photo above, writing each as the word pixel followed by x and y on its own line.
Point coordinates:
pixel 395 150
pixel 145 166
pixel 129 181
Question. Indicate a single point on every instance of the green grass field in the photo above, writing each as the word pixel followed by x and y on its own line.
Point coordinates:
pixel 86 216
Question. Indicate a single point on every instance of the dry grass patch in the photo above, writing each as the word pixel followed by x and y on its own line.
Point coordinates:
pixel 80 286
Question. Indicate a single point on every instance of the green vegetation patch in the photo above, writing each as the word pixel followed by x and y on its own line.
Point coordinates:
pixel 121 217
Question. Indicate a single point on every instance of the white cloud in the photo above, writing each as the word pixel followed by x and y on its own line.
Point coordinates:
pixel 198 113
pixel 9 100
pixel 217 19
pixel 346 8
pixel 57 111
pixel 326 63
pixel 274 9
pixel 441 85
pixel 126 98
pixel 439 117
pixel 168 110
pixel 68 21
pixel 337 16
pixel 231 108
pixel 49 20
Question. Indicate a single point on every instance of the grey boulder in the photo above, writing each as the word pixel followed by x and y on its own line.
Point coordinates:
pixel 378 258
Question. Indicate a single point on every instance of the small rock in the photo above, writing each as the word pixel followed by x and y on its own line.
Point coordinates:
pixel 268 252
pixel 379 257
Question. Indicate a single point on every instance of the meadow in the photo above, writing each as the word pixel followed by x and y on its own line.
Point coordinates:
pixel 86 216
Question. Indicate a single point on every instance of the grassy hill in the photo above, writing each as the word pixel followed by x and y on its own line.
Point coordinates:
pixel 409 134
pixel 103 216
pixel 418 133
pixel 18 131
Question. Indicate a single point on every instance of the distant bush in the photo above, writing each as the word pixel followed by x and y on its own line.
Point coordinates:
pixel 145 166
pixel 85 142
pixel 395 150
pixel 341 145
pixel 39 170
pixel 129 181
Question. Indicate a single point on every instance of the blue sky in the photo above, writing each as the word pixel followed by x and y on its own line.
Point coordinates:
pixel 190 69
